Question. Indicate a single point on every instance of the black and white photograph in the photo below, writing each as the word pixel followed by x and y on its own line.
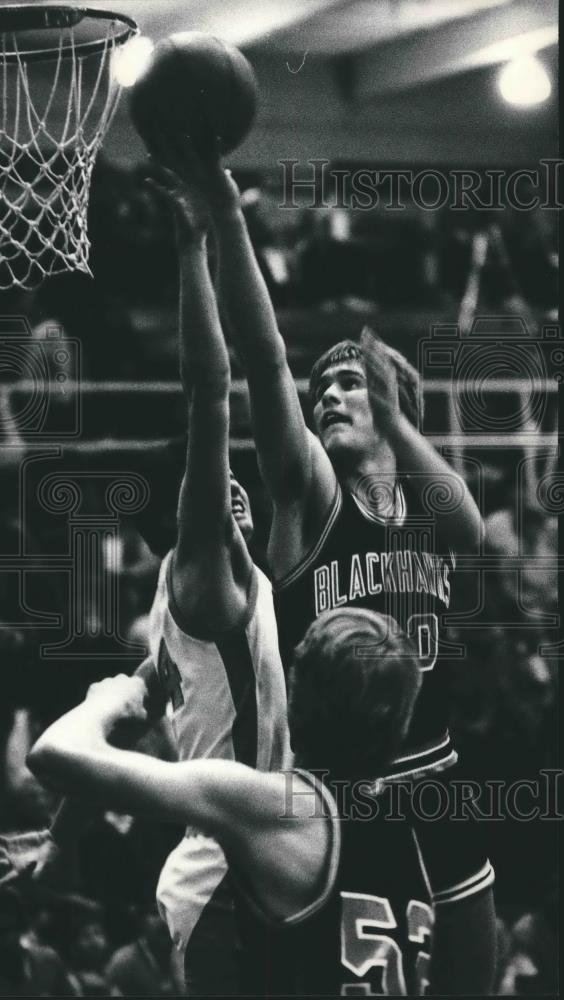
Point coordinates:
pixel 280 483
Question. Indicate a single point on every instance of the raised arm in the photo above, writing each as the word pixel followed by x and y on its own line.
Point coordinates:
pixel 283 859
pixel 442 490
pixel 211 566
pixel 291 459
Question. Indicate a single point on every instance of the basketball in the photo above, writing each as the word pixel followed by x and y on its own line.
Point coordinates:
pixel 195 86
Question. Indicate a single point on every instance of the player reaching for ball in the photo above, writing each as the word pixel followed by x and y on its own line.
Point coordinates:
pixel 214 646
pixel 212 626
pixel 352 526
pixel 349 900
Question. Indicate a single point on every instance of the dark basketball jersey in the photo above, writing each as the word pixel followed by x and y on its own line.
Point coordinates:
pixel 397 567
pixel 369 932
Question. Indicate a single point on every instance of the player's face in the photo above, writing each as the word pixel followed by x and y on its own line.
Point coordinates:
pixel 241 509
pixel 342 413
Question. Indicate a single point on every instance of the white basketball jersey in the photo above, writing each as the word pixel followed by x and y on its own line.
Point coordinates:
pixel 227 699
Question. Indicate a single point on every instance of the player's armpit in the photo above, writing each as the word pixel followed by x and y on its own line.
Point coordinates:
pixel 213 591
pixel 298 524
pixel 284 848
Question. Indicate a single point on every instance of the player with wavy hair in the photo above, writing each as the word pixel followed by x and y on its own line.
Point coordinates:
pixel 307 874
pixel 410 393
pixel 335 677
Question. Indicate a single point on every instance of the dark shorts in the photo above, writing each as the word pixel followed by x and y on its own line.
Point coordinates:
pixel 211 958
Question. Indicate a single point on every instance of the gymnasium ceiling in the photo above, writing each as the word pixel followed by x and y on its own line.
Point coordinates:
pixel 407 78
pixel 337 27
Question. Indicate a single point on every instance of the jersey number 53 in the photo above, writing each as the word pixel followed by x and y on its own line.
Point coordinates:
pixel 365 945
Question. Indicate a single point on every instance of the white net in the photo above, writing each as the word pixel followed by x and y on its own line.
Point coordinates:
pixel 54 113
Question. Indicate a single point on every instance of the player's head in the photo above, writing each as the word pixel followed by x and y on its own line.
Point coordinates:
pixel 339 396
pixel 353 685
pixel 157 523
pixel 241 508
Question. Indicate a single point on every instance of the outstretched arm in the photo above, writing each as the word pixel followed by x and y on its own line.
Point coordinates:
pixel 291 459
pixel 458 515
pixel 240 807
pixel 211 565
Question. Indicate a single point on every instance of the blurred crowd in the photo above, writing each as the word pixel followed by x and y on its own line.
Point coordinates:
pixel 317 262
pixel 97 933
pixel 67 946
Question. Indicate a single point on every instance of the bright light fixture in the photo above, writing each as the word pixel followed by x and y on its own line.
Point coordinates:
pixel 131 60
pixel 524 82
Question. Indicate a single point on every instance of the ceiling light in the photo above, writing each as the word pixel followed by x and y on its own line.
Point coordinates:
pixel 131 60
pixel 524 82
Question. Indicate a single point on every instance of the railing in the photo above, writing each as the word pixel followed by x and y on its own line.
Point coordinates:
pixel 91 432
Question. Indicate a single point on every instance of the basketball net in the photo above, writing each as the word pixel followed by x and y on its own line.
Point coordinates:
pixel 51 127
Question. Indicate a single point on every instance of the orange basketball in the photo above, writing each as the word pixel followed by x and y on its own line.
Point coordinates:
pixel 195 86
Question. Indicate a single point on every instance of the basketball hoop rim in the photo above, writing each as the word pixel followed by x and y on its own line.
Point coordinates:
pixel 34 17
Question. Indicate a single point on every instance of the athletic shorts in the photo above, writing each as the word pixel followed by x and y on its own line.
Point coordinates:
pixel 212 953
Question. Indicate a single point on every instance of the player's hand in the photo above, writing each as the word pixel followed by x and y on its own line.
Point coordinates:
pixel 381 381
pixel 119 699
pixel 199 185
pixel 214 184
pixel 186 202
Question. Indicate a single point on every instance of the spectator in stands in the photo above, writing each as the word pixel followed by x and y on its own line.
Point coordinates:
pixel 73 926
pixel 90 954
pixel 142 968
pixel 521 527
pixel 532 961
pixel 28 965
